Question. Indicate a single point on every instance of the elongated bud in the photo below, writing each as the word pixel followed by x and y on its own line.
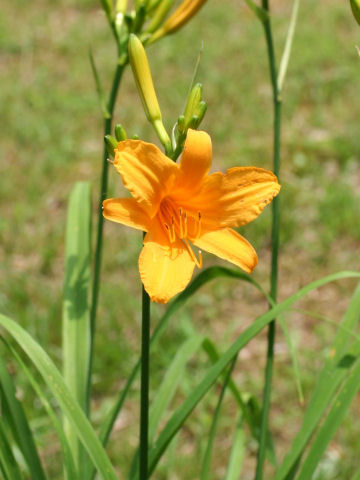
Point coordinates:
pixel 120 133
pixel 111 144
pixel 179 18
pixel 355 7
pixel 159 15
pixel 141 70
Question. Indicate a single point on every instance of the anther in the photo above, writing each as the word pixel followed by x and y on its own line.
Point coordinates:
pixel 198 233
pixel 172 240
pixel 110 161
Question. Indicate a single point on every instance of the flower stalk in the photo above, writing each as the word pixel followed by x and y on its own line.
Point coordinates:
pixel 274 243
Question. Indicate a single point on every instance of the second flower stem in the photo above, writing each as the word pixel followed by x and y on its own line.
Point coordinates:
pixel 99 235
pixel 263 441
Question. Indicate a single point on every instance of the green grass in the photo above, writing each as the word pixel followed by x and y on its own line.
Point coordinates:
pixel 51 135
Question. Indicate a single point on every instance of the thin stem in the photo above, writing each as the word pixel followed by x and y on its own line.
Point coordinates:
pixel 274 248
pixel 144 392
pixel 99 236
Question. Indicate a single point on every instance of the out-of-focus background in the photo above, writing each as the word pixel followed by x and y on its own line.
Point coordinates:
pixel 51 135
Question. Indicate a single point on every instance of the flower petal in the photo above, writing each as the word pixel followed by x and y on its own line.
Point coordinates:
pixel 147 173
pixel 126 211
pixel 236 198
pixel 195 161
pixel 165 269
pixel 230 246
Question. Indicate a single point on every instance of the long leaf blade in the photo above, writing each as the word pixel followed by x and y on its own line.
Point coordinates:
pixel 69 406
pixel 328 381
pixel 19 424
pixel 332 422
pixel 204 277
pixel 205 474
pixel 8 462
pixel 182 413
pixel 68 461
pixel 76 318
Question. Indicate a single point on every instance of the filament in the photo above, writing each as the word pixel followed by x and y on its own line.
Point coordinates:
pixel 198 262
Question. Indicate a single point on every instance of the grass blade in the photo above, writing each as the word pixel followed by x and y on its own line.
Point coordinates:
pixel 183 412
pixel 209 449
pixel 68 461
pixel 8 462
pixel 328 381
pixel 171 381
pixel 248 404
pixel 237 453
pixel 76 320
pixel 61 392
pixel 333 420
pixel 167 389
pixel 203 277
pixel 294 361
pixel 19 425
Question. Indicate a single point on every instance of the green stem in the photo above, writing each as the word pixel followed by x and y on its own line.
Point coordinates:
pixel 144 393
pixel 274 248
pixel 99 236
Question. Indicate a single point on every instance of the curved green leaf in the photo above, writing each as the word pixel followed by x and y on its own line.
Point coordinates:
pixel 69 406
pixel 328 381
pixel 167 389
pixel 182 413
pixel 68 461
pixel 8 462
pixel 209 448
pixel 203 277
pixel 19 425
pixel 332 422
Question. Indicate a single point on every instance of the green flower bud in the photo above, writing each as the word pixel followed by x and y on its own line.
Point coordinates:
pixel 111 144
pixel 355 7
pixel 120 133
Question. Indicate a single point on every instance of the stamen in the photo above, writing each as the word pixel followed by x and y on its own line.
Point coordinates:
pixel 173 234
pixel 110 161
pixel 198 233
pixel 171 239
pixel 198 263
pixel 200 259
pixel 181 224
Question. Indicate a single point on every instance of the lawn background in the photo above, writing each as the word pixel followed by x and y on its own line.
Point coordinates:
pixel 51 136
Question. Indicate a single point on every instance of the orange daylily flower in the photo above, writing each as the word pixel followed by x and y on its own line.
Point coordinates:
pixel 181 205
